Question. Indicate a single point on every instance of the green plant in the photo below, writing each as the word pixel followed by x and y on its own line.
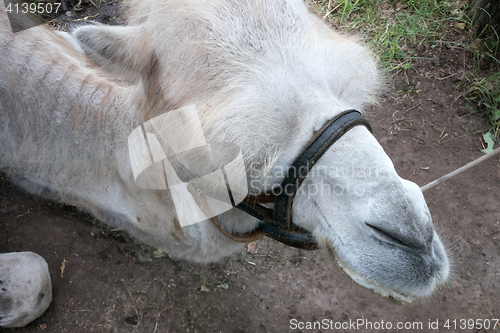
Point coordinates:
pixel 393 28
pixel 396 29
pixel 484 18
pixel 486 93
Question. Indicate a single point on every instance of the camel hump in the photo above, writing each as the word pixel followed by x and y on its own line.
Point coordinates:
pixel 25 288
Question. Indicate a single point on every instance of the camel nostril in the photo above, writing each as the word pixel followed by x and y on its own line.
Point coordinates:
pixel 385 236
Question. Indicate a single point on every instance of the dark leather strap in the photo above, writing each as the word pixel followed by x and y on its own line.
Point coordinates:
pixel 304 240
pixel 278 223
pixel 317 146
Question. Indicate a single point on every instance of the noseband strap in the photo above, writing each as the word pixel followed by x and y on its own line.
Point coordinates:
pixel 315 148
pixel 278 223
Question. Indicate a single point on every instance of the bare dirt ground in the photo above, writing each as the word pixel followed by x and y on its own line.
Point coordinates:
pixel 111 284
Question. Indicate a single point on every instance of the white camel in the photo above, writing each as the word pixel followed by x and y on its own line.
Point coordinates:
pixel 264 75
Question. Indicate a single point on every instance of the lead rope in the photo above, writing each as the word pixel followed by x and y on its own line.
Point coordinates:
pixel 459 170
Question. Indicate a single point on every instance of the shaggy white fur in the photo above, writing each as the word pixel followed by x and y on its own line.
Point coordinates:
pixel 264 75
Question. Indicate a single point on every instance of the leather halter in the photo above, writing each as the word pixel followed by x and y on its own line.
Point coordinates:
pixel 277 223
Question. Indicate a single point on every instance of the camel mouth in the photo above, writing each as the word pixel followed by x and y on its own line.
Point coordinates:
pixel 381 289
pixel 371 284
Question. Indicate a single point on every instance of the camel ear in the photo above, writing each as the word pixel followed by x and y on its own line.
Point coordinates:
pixel 116 48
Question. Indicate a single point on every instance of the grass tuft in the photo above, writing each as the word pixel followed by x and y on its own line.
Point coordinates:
pixel 486 93
pixel 393 28
pixel 396 30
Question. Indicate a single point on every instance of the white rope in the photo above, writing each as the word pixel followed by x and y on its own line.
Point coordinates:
pixel 460 170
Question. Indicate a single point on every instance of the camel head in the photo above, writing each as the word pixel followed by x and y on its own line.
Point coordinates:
pixel 375 224
pixel 265 76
